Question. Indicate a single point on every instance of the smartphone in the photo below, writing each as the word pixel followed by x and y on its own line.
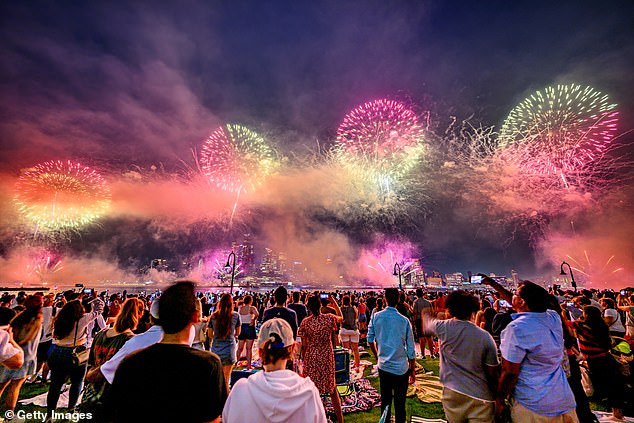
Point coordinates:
pixel 323 296
pixel 505 304
pixel 570 304
pixel 88 291
pixel 476 280
pixel 623 292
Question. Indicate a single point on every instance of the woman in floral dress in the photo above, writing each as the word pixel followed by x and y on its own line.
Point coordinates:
pixel 317 350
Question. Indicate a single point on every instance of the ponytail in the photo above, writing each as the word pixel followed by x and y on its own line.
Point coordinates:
pixel 273 350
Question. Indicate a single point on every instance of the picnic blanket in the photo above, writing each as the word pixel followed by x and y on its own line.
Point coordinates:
pixel 362 397
pixel 427 388
pixel 40 400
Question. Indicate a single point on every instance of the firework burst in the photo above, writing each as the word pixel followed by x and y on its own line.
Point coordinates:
pixel 43 264
pixel 237 159
pixel 558 131
pixel 595 271
pixel 377 264
pixel 384 133
pixel 61 195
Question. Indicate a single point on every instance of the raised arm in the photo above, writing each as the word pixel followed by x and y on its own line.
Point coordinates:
pixel 505 294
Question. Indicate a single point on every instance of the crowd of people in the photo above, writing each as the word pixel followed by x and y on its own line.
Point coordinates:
pixel 526 355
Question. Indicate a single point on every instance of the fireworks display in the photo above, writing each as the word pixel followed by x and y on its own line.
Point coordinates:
pixel 385 178
pixel 377 264
pixel 61 195
pixel 559 130
pixel 384 134
pixel 236 159
pixel 43 264
pixel 595 271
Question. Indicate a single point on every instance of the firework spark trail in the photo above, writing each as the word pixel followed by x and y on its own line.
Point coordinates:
pixel 594 273
pixel 61 195
pixel 235 206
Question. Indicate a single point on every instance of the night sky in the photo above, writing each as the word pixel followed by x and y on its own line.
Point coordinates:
pixel 122 86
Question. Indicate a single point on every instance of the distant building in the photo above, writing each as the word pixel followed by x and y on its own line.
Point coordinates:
pixel 269 262
pixel 456 278
pixel 246 255
pixel 515 277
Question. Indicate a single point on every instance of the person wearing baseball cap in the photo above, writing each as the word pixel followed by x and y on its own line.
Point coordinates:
pixel 276 394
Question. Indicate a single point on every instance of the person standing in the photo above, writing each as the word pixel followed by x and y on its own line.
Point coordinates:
pixel 69 332
pixel 612 318
pixel 422 308
pixel 280 310
pixel 628 307
pixel 595 344
pixel 532 348
pixel 248 317
pixel 223 329
pixel 170 381
pixel 278 394
pixel 469 364
pixel 349 330
pixel 150 337
pixel 46 337
pixel 11 355
pixel 317 350
pixel 391 340
pixel 27 329
pixel 298 307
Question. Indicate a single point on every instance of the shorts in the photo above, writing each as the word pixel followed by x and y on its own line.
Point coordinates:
pixel 225 350
pixel 460 407
pixel 247 332
pixel 362 318
pixel 348 335
pixel 521 414
pixel 42 350
pixel 418 328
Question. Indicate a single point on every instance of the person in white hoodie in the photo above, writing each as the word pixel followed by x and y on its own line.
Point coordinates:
pixel 275 394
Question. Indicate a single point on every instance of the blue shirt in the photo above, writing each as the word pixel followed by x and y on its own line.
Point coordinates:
pixel 535 340
pixel 394 340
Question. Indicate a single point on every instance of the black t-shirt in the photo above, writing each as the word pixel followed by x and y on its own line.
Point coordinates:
pixel 283 313
pixel 300 310
pixel 206 310
pixel 371 303
pixel 168 383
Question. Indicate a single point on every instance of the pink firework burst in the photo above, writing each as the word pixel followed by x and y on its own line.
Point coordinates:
pixel 385 132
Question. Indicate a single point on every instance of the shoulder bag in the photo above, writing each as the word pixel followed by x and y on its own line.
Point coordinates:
pixel 80 353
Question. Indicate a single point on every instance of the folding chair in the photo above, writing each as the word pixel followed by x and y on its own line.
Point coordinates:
pixel 345 386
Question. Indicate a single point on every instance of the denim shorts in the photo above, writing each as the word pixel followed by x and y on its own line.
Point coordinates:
pixel 247 332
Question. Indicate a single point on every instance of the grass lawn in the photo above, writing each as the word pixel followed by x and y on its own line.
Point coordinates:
pixel 413 406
